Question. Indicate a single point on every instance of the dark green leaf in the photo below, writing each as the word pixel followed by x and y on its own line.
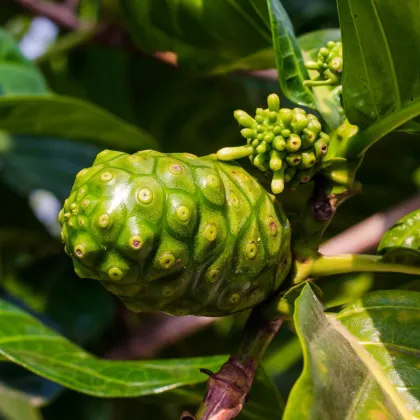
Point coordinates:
pixel 361 363
pixel 53 115
pixel 401 243
pixel 326 99
pixel 25 341
pixel 28 162
pixel 14 406
pixel 290 66
pixel 381 81
pixel 411 127
pixel 208 35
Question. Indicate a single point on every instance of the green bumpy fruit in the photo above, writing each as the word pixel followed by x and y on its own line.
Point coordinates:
pixel 329 64
pixel 287 144
pixel 176 233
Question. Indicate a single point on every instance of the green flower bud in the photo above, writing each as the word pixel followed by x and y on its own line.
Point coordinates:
pixel 299 123
pixel 273 102
pixel 293 159
pixel 276 160
pixel 248 133
pixel 244 119
pixel 293 143
pixel 277 183
pixel 308 160
pixel 262 147
pixel 279 143
pixel 286 116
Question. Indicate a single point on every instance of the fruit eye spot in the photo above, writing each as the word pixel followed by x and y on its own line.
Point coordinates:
pixel 85 203
pixel 79 250
pixel 145 195
pixel 168 291
pixel 213 181
pixel 136 242
pixel 103 220
pixel 183 213
pixel 182 312
pixel 213 275
pixel 210 233
pixel 235 298
pixel 175 168
pixel 251 250
pixel 234 200
pixel 272 227
pixel 106 176
pixel 166 261
pixel 115 273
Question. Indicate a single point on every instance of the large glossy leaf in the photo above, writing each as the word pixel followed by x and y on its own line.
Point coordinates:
pixel 207 35
pixel 17 74
pixel 401 243
pixel 290 66
pixel 25 341
pixel 53 115
pixel 325 97
pixel 381 81
pixel 361 363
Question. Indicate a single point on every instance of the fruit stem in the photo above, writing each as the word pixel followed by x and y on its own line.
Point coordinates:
pixel 228 389
pixel 350 263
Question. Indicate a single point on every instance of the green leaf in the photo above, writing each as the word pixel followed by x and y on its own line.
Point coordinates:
pixel 290 66
pixel 381 81
pixel 326 99
pixel 361 363
pixel 17 74
pixel 25 341
pixel 401 243
pixel 53 115
pixel 206 35
pixel 14 406
pixel 29 163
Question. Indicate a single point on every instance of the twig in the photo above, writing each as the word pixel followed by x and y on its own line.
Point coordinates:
pixel 162 331
pixel 228 389
pixel 61 14
pixel 366 235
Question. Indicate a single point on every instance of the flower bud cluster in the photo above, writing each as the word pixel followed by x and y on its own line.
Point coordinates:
pixel 285 142
pixel 329 64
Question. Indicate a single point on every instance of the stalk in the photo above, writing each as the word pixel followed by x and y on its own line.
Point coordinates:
pixel 350 263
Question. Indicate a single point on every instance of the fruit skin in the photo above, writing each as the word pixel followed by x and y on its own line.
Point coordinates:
pixel 176 233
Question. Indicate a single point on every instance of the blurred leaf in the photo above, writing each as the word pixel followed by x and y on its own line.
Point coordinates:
pixel 17 74
pixel 286 355
pixel 206 35
pixel 401 243
pixel 345 288
pixel 411 127
pixel 53 115
pixel 381 86
pixel 325 97
pixel 14 406
pixel 360 363
pixel 72 405
pixel 290 66
pixel 28 162
pixel 27 342
pixel 36 389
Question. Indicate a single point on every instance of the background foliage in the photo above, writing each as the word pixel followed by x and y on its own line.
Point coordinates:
pixel 82 95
